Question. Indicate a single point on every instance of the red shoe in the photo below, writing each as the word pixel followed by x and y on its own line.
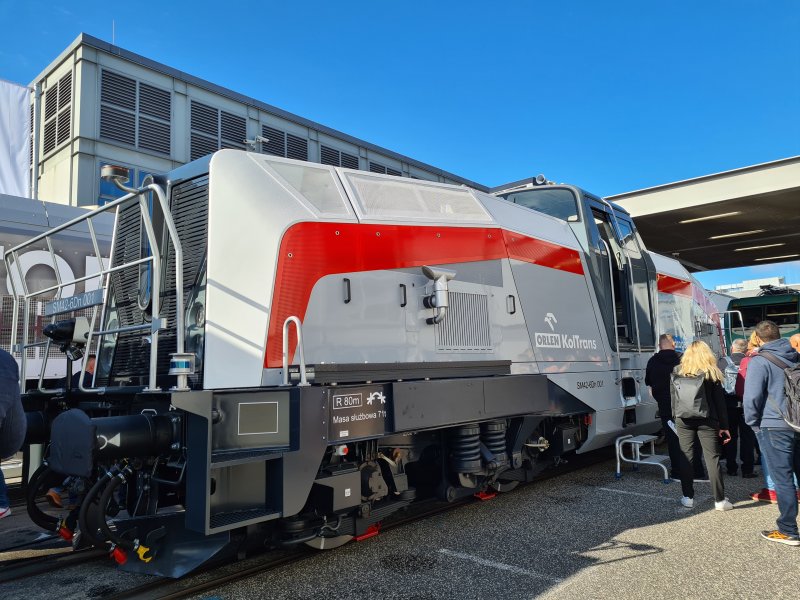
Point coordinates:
pixel 765 495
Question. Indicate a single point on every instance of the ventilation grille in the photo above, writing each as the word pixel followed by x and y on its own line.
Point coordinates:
pixel 296 147
pixel 213 129
pixel 276 141
pixel 118 90
pixel 465 328
pixel 234 130
pixel 336 158
pixel 135 113
pixel 379 168
pixel 189 207
pixel 117 125
pixel 205 119
pixel 57 114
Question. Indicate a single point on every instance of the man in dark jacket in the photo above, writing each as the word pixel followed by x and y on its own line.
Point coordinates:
pixel 12 419
pixel 657 373
pixel 764 405
pixel 742 437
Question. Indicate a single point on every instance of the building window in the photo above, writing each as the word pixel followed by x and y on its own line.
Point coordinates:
pixel 379 168
pixel 337 158
pixel 135 113
pixel 280 143
pixel 57 104
pixel 212 129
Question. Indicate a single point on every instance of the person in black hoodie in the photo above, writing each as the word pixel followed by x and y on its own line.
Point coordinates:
pixel 699 362
pixel 657 373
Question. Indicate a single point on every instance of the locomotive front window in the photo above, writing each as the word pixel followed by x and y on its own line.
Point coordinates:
pixel 558 203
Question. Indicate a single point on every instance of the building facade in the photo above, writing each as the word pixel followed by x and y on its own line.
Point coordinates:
pixel 98 104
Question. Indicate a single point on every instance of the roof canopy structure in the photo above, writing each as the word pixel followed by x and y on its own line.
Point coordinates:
pixel 745 217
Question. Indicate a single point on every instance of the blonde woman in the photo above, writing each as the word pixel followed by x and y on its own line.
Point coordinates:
pixel 698 405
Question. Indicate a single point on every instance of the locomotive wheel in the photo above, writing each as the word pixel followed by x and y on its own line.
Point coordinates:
pixel 328 543
pixel 503 486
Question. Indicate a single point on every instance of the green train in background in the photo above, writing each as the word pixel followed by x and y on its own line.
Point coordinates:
pixel 778 304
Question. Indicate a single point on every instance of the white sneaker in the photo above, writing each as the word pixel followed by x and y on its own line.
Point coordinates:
pixel 5 512
pixel 687 502
pixel 723 505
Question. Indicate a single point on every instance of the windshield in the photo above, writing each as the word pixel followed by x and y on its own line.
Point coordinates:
pixel 558 203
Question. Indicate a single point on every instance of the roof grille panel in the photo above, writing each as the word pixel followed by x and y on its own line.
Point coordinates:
pixel 63 126
pixel 50 102
pixel 118 90
pixel 64 90
pixel 395 172
pixel 49 136
pixel 205 119
pixel 202 145
pixel 296 147
pixel 155 102
pixel 349 161
pixel 234 130
pixel 117 125
pixel 329 156
pixel 276 141
pixel 154 135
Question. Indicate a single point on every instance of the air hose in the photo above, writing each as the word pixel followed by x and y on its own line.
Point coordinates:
pixel 120 545
pixel 39 517
pixel 83 516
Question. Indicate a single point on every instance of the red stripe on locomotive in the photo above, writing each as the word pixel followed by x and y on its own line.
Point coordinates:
pixel 310 251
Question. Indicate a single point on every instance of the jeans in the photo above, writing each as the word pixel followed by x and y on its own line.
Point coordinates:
pixel 3 491
pixel 782 448
pixel 768 482
pixel 674 450
pixel 689 432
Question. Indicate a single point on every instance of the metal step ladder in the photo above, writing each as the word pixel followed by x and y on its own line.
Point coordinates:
pixel 637 457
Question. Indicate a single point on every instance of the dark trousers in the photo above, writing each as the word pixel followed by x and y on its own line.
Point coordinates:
pixel 689 434
pixel 782 449
pixel 742 438
pixel 675 454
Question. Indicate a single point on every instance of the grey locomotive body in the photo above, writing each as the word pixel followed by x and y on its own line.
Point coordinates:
pixel 292 352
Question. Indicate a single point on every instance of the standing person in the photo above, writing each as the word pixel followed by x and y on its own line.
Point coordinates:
pixel 657 373
pixel 742 437
pixel 12 420
pixel 764 406
pixel 696 381
pixel 795 342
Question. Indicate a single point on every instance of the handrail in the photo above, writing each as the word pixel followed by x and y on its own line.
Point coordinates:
pixel 157 323
pixel 296 321
pixel 630 274
pixel 613 303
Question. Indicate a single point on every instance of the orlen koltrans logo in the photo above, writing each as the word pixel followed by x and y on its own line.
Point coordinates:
pixel 565 341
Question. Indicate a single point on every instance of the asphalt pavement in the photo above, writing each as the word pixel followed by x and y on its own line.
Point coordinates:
pixel 580 535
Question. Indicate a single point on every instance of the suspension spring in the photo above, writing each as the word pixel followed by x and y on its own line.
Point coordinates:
pixel 493 436
pixel 465 449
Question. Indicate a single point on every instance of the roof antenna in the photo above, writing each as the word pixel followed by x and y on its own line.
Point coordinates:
pixel 113 36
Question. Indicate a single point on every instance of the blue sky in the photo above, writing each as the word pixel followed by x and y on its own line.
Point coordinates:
pixel 611 96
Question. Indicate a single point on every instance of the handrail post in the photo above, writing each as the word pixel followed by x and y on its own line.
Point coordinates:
pixel 303 379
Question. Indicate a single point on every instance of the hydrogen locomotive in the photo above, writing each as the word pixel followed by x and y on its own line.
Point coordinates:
pixel 288 353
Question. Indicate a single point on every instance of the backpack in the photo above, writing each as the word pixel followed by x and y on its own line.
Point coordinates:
pixel 730 373
pixel 791 390
pixel 688 395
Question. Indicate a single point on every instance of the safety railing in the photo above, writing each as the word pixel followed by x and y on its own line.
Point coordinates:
pixel 298 326
pixel 154 259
